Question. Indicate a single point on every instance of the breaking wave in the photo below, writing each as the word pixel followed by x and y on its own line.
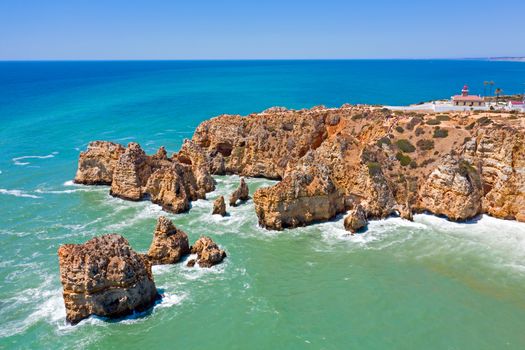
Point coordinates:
pixel 17 160
pixel 17 193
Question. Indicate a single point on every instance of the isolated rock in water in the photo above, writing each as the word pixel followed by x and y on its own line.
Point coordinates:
pixel 242 193
pixel 169 243
pixel 97 163
pixel 305 195
pixel 219 206
pixel 356 219
pixel 104 277
pixel 131 173
pixel 208 252
pixel 191 263
pixel 453 189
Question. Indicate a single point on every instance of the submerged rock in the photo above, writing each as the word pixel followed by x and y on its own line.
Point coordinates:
pixel 97 163
pixel 104 277
pixel 356 219
pixel 208 252
pixel 219 206
pixel 169 243
pixel 242 193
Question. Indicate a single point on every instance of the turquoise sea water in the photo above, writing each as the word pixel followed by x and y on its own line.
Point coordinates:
pixel 429 284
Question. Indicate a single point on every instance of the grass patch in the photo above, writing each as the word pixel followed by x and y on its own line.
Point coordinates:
pixel 405 146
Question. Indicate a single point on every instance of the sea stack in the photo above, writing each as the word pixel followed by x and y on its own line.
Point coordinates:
pixel 104 277
pixel 242 193
pixel 169 243
pixel 355 220
pixel 219 206
pixel 208 252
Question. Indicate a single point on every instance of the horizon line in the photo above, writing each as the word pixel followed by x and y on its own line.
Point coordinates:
pixel 260 59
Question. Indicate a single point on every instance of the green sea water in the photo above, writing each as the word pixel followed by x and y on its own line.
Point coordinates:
pixel 427 284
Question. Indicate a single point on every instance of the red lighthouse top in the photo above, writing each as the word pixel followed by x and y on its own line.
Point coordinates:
pixel 464 92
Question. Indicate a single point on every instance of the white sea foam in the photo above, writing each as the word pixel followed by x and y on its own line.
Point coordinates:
pixel 17 160
pixel 17 193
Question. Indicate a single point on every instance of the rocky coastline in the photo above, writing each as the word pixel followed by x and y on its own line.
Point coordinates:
pixel 366 161
pixel 330 161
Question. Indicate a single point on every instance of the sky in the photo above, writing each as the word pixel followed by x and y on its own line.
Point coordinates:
pixel 264 29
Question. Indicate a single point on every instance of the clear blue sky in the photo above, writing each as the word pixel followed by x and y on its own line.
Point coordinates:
pixel 215 29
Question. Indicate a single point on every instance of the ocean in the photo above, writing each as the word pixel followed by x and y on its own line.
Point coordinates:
pixel 427 284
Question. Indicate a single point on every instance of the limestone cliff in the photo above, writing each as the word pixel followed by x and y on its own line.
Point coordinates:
pixel 329 160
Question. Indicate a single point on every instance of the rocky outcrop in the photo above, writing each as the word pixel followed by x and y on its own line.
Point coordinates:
pixel 356 219
pixel 219 206
pixel 169 243
pixel 97 163
pixel 242 193
pixel 131 173
pixel 208 252
pixel 453 189
pixel 170 182
pixel 104 277
pixel 386 162
pixel 305 195
pixel 173 187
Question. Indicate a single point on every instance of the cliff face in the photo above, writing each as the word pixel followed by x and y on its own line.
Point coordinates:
pixel 97 163
pixel 133 175
pixel 330 160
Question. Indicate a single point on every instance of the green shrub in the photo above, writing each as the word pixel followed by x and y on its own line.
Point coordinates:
pixel 483 121
pixel 358 116
pixel 384 140
pixel 433 122
pixel 440 133
pixel 374 168
pixel 425 145
pixel 419 131
pixel 400 129
pixel 403 159
pixel 405 146
pixel 413 164
pixel 470 126
pixel 442 117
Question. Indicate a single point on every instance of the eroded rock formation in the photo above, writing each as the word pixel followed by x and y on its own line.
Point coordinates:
pixel 329 160
pixel 169 243
pixel 170 182
pixel 242 193
pixel 97 163
pixel 208 252
pixel 219 206
pixel 104 277
pixel 356 219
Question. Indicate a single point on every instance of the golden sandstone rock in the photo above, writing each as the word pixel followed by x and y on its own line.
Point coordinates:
pixel 332 159
pixel 219 206
pixel 104 277
pixel 169 243
pixel 208 252
pixel 170 182
pixel 457 164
